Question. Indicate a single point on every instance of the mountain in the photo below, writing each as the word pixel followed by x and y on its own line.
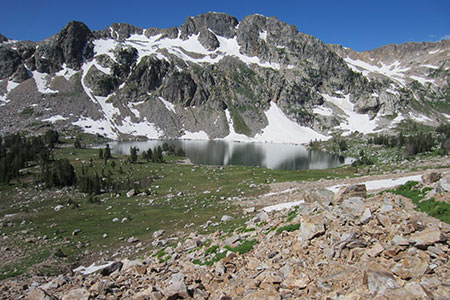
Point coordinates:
pixel 215 77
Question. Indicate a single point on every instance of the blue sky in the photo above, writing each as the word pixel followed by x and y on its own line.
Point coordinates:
pixel 361 25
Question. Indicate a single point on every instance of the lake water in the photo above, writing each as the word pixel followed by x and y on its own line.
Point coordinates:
pixel 267 155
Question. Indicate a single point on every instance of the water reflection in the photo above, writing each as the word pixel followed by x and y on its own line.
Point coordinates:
pixel 267 155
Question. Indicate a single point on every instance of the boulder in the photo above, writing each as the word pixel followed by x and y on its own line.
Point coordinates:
pixel 378 280
pixel 39 294
pixel 443 186
pixel 112 268
pixel 176 287
pixel 322 196
pixel 430 177
pixel 77 294
pixel 427 237
pixel 311 228
pixel 345 192
pixel 353 206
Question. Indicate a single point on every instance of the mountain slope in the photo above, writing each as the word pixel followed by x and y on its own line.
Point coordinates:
pixel 215 77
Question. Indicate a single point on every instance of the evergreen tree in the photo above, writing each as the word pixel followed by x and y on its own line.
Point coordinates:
pixel 133 154
pixel 107 153
pixel 77 143
pixel 51 138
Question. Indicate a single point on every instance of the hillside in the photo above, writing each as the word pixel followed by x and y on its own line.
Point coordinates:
pixel 349 244
pixel 257 79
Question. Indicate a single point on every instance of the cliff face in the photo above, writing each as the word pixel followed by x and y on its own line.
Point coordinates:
pixel 215 77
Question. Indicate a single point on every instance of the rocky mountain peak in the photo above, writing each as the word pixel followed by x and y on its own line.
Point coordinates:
pixel 122 31
pixel 220 23
pixel 73 39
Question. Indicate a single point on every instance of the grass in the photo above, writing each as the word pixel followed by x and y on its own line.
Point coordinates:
pixel 437 209
pixel 176 195
pixel 288 228
pixel 244 247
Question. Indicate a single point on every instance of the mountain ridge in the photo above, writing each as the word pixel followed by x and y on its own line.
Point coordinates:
pixel 216 77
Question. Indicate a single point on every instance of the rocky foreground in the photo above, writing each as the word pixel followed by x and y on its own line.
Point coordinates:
pixel 342 246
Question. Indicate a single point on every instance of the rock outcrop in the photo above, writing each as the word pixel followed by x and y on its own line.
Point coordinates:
pixel 212 64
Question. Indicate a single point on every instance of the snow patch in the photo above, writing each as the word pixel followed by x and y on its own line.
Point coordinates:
pixel 280 193
pixel 233 135
pixel 323 111
pixel 10 85
pixel 54 119
pixel 430 66
pixel 381 184
pixel 283 130
pixel 392 70
pixel 168 105
pixel 263 35
pixel 420 118
pixel 66 72
pixel 435 51
pixel 42 82
pixel 102 127
pixel 422 80
pixel 354 121
pixel 105 47
pixel 282 206
pixel 199 135
pixel 180 48
pixel 92 268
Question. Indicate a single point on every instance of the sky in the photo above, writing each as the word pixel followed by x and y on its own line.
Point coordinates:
pixel 360 25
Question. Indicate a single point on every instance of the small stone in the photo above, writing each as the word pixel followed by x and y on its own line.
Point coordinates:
pixel 132 240
pixel 158 233
pixel 399 240
pixel 131 193
pixel 76 231
pixel 58 207
pixel 226 218
pixel 375 250
pixel 365 218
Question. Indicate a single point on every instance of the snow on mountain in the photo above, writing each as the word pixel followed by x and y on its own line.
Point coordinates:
pixel 217 78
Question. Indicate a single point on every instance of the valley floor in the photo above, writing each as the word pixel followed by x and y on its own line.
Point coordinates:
pixel 358 247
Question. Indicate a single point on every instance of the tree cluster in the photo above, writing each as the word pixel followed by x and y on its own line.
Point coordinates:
pixel 18 152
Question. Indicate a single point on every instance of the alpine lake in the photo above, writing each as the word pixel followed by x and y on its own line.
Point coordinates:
pixel 222 153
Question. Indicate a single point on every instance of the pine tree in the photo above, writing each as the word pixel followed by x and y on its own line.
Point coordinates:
pixel 77 143
pixel 107 153
pixel 133 154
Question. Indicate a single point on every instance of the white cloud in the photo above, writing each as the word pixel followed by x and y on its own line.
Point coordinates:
pixel 446 37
